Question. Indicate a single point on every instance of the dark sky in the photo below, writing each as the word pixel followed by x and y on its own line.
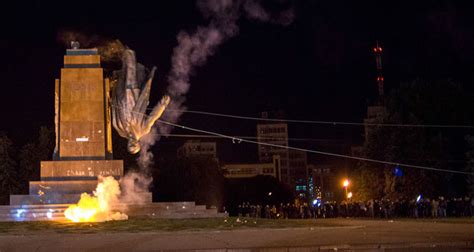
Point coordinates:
pixel 320 67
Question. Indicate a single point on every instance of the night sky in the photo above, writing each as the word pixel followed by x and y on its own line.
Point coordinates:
pixel 320 67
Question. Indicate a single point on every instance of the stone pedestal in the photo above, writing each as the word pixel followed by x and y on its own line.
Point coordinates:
pixel 83 134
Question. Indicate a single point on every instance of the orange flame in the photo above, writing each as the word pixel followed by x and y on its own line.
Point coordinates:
pixel 97 207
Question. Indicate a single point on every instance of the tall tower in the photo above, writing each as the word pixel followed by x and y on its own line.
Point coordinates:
pixel 376 111
pixel 378 60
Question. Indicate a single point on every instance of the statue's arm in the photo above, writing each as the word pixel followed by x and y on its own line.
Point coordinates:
pixel 156 113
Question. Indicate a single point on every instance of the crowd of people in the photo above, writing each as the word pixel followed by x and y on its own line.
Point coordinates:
pixel 416 208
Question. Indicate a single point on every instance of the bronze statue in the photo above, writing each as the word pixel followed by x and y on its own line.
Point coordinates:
pixel 130 98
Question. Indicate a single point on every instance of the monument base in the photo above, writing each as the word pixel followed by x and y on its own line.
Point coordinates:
pixel 160 210
pixel 63 182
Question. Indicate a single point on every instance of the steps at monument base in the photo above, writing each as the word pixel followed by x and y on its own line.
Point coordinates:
pixel 159 210
pixel 191 215
pixel 46 212
pixel 165 206
pixel 173 210
pixel 57 198
pixel 34 217
pixel 52 198
pixel 62 187
pixel 45 207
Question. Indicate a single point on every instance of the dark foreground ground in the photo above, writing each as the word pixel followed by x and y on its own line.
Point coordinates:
pixel 242 235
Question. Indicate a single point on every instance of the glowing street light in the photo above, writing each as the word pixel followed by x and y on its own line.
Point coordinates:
pixel 349 195
pixel 345 183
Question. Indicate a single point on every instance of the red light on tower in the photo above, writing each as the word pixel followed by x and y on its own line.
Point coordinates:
pixel 378 61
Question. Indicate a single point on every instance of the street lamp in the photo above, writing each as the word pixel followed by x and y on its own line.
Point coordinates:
pixel 349 195
pixel 345 184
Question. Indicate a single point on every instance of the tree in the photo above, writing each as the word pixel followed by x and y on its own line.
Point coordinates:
pixel 470 165
pixel 417 102
pixel 31 154
pixel 8 173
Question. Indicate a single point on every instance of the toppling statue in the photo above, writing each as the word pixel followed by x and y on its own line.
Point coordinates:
pixel 130 98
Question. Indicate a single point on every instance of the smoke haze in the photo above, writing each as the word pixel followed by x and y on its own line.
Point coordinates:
pixel 135 187
pixel 109 49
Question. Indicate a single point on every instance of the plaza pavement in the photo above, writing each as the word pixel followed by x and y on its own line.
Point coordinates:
pixel 359 235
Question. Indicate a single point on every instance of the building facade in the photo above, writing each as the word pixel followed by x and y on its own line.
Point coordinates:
pixel 294 165
pixel 193 148
pixel 322 182
pixel 274 134
pixel 252 170
pixel 298 171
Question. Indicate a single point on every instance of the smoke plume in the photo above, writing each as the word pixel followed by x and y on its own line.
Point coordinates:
pixel 110 50
pixel 99 207
pixel 110 199
pixel 193 49
pixel 145 158
pixel 135 187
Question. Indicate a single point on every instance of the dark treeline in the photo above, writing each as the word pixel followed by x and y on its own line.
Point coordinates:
pixel 414 103
pixel 18 166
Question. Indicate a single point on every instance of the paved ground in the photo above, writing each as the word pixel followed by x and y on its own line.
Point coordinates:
pixel 367 235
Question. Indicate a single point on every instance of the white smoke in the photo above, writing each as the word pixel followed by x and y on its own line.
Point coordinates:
pixel 100 206
pixel 193 49
pixel 111 198
pixel 135 188
pixel 145 159
pixel 254 10
pixel 135 184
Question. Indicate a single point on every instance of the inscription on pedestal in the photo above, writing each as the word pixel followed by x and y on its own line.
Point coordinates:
pixel 114 171
pixel 80 169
